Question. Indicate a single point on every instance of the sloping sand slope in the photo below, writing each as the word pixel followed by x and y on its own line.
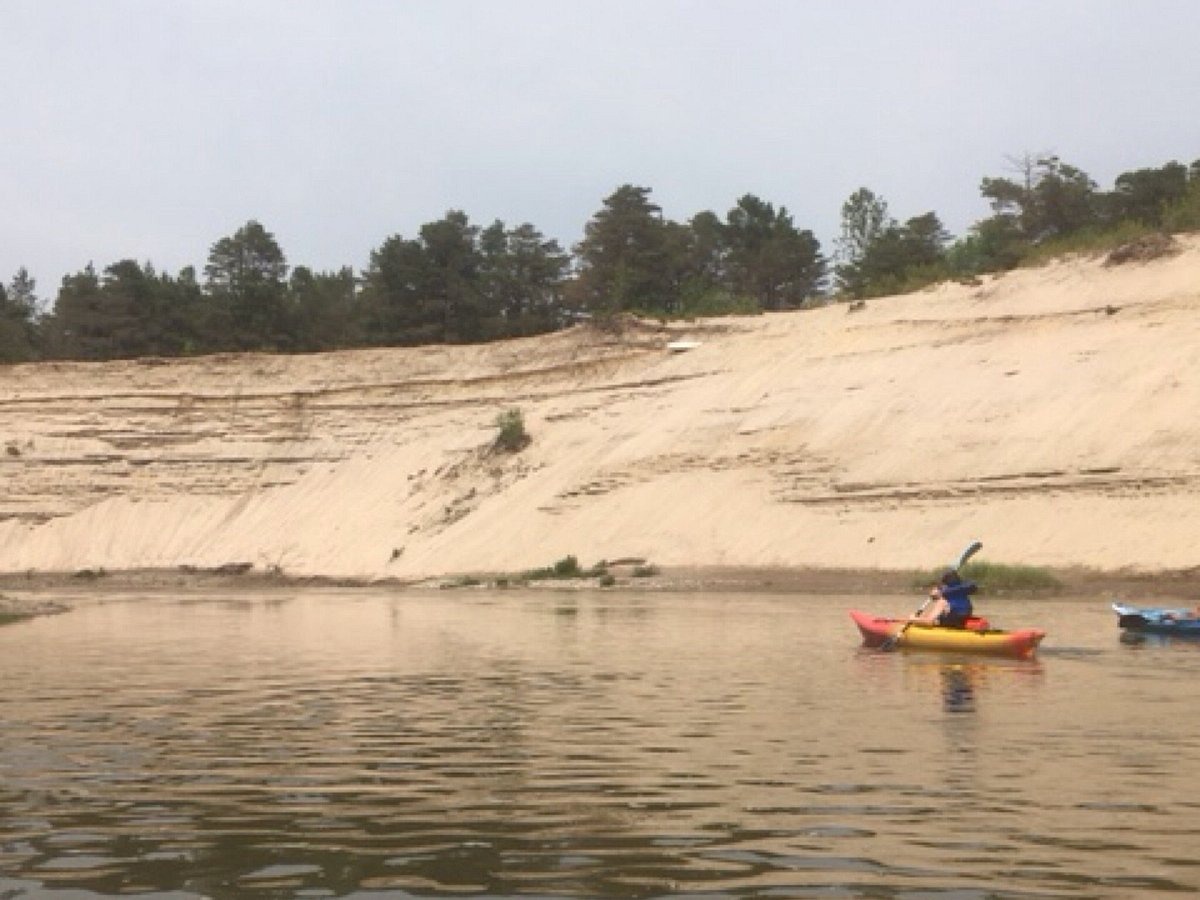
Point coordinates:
pixel 1054 413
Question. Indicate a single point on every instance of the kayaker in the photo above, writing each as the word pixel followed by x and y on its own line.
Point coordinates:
pixel 950 601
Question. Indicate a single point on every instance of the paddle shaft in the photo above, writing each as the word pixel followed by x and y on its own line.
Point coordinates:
pixel 891 642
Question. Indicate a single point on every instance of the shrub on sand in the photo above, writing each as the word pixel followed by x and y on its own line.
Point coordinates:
pixel 512 436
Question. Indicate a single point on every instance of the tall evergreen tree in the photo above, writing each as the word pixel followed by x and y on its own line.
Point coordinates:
pixel 1053 199
pixel 189 314
pixel 429 290
pixel 452 288
pixel 393 295
pixel 18 319
pixel 246 278
pixel 1145 195
pixel 865 221
pixel 768 258
pixel 707 249
pixel 1184 214
pixel 327 308
pixel 521 278
pixel 623 257
pixel 901 251
pixel 87 323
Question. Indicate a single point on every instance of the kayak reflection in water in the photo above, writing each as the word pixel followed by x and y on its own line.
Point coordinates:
pixel 958 689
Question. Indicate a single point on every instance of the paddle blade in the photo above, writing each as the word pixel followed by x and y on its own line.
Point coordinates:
pixel 970 550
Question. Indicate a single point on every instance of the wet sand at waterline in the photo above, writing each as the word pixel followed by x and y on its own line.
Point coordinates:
pixel 1049 412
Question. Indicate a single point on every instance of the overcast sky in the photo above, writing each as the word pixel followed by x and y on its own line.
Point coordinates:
pixel 150 129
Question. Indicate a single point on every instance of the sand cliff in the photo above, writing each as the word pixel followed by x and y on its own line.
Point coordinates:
pixel 1051 412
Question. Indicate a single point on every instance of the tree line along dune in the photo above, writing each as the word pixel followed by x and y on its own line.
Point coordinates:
pixel 1050 412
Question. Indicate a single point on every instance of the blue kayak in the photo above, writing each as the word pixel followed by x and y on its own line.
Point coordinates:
pixel 1157 620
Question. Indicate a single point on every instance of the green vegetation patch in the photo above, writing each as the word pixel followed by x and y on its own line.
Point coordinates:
pixel 999 578
pixel 512 436
pixel 1093 241
pixel 566 568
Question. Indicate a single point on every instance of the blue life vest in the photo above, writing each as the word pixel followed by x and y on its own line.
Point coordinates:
pixel 958 596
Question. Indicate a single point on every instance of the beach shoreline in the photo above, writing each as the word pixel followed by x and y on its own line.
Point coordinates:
pixel 39 587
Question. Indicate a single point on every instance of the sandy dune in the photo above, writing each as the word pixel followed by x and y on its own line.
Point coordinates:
pixel 1050 412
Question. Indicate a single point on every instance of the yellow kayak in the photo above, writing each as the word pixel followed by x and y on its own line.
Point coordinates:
pixel 878 632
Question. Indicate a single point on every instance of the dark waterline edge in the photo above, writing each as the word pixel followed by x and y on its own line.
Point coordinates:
pixel 33 589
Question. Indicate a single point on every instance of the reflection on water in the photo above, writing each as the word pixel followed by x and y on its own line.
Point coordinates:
pixel 963 679
pixel 1185 643
pixel 958 689
pixel 321 744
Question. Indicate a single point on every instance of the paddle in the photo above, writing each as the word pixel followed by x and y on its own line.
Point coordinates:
pixel 970 550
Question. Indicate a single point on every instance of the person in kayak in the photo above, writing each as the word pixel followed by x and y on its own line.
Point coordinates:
pixel 950 601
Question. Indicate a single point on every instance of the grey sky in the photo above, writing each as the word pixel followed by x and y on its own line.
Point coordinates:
pixel 149 129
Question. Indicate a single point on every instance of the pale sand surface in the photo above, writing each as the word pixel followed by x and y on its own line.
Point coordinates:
pixel 1050 412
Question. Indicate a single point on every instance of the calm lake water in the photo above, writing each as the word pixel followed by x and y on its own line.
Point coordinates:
pixel 536 744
